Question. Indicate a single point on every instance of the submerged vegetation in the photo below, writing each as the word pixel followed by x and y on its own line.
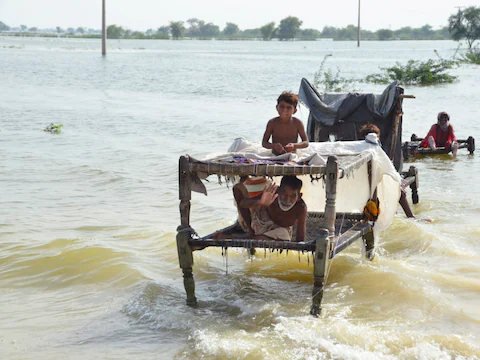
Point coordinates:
pixel 54 129
pixel 330 80
pixel 414 72
pixel 471 56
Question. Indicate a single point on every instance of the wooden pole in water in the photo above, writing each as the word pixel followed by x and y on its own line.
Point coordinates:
pixel 358 34
pixel 104 30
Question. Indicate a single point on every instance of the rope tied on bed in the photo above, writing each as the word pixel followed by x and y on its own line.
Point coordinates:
pixel 188 229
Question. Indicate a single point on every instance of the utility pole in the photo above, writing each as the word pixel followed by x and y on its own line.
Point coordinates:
pixel 104 30
pixel 358 41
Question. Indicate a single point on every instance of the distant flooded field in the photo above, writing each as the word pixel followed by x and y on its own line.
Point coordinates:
pixel 89 266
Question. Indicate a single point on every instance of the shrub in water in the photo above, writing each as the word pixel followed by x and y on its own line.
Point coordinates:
pixel 330 80
pixel 472 56
pixel 416 72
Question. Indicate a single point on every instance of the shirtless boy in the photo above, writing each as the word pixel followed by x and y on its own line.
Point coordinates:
pixel 285 129
pixel 272 214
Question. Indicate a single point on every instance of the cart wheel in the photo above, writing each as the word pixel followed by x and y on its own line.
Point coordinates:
pixel 471 144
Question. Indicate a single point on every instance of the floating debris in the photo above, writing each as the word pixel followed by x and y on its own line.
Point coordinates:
pixel 54 129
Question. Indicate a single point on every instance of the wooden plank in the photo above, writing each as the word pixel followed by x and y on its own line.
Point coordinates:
pixel 252 243
pixel 256 169
pixel 347 165
pixel 349 237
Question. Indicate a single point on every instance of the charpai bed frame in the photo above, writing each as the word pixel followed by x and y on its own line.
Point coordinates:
pixel 328 232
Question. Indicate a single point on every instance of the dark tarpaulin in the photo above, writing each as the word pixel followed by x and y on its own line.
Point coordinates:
pixel 342 115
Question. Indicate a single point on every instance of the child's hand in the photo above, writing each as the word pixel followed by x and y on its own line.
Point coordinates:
pixel 279 149
pixel 290 147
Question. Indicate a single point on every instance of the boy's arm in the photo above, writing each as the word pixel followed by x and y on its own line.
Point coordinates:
pixel 266 136
pixel 302 225
pixel 303 136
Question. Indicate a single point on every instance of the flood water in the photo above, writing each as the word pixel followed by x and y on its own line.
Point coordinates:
pixel 88 217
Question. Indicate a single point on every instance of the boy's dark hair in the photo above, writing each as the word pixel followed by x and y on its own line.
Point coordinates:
pixel 369 128
pixel 289 98
pixel 292 182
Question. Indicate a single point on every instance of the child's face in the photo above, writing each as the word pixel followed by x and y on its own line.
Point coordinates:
pixel 285 110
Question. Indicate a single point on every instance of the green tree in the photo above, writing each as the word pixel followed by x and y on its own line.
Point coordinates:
pixel 403 33
pixel 4 27
pixel 115 32
pixel 59 30
pixel 465 24
pixel 251 33
pixel 209 30
pixel 384 34
pixel 194 28
pixel 163 30
pixel 23 27
pixel 310 33
pixel 231 29
pixel 33 29
pixel 329 32
pixel 426 32
pixel 288 28
pixel 443 32
pixel 137 35
pixel 80 30
pixel 267 31
pixel 177 28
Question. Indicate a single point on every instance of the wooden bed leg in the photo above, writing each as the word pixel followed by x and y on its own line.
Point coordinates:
pixel 331 178
pixel 319 271
pixel 369 243
pixel 413 171
pixel 185 255
pixel 185 258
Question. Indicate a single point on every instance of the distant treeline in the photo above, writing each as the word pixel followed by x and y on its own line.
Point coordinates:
pixel 288 29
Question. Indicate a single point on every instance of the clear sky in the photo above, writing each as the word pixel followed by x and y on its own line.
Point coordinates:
pixel 247 14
